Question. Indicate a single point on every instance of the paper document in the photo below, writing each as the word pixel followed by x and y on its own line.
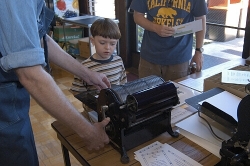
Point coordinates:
pixel 188 28
pixel 163 154
pixel 235 77
pixel 196 84
pixel 226 102
pixel 195 129
pixel 178 114
pixel 184 93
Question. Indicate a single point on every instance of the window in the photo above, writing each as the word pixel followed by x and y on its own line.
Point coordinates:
pixel 102 8
pixel 139 36
pixel 139 31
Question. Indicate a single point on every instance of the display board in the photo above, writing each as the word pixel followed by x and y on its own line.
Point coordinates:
pixel 66 8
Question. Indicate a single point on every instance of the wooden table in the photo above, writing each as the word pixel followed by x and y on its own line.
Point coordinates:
pixel 200 76
pixel 108 156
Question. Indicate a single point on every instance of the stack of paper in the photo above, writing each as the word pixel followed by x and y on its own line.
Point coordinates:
pixel 188 28
pixel 235 77
pixel 196 84
pixel 163 154
pixel 178 114
pixel 184 93
pixel 195 129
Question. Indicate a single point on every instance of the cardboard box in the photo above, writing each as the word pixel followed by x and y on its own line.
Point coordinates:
pixel 84 48
pixel 71 32
pixel 215 81
pixel 74 43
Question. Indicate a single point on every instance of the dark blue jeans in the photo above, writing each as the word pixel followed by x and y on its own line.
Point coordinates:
pixel 17 146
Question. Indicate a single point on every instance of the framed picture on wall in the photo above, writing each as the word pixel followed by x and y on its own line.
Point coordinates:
pixel 66 8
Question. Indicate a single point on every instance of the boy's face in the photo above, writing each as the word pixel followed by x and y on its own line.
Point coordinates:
pixel 104 47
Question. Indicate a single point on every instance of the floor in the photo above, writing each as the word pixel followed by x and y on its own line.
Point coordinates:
pixel 228 50
pixel 48 146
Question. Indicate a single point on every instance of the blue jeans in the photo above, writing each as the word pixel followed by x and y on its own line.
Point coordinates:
pixel 17 146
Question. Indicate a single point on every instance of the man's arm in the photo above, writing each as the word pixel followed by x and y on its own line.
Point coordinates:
pixel 161 30
pixel 61 58
pixel 44 90
pixel 198 57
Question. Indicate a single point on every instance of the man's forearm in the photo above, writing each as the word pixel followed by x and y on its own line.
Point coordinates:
pixel 143 22
pixel 61 58
pixel 201 34
pixel 44 90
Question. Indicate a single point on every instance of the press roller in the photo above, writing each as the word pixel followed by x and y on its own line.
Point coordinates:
pixel 139 111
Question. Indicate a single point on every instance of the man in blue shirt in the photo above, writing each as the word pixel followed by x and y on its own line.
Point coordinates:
pixel 161 53
pixel 22 74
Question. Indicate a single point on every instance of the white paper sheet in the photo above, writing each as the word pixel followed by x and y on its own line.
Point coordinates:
pixel 157 154
pixel 178 114
pixel 184 93
pixel 195 129
pixel 235 77
pixel 196 84
pixel 188 28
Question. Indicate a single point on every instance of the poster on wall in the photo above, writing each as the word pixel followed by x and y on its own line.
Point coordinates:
pixel 66 8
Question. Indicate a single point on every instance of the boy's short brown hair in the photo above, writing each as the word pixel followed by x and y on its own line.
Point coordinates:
pixel 106 28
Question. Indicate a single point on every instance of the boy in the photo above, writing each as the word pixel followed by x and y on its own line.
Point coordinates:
pixel 105 35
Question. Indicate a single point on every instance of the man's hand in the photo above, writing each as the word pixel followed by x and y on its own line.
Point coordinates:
pixel 161 30
pixel 99 80
pixel 164 30
pixel 96 138
pixel 198 59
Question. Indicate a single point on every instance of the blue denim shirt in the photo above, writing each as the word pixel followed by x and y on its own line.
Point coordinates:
pixel 19 34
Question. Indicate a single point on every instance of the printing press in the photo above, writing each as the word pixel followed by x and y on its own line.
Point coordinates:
pixel 139 111
pixel 236 150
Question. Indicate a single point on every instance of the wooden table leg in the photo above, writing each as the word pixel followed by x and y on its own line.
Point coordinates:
pixel 65 155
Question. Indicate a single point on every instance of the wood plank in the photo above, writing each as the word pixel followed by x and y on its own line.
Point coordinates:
pixel 191 149
pixel 210 160
pixel 62 129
